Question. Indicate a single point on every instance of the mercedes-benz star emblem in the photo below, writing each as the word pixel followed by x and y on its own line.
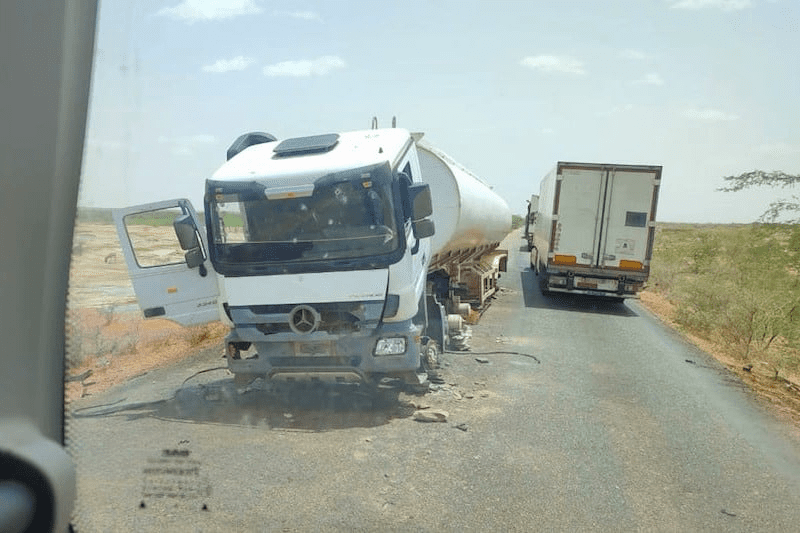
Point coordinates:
pixel 303 319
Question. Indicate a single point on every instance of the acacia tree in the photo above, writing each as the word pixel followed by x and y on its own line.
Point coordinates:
pixel 757 178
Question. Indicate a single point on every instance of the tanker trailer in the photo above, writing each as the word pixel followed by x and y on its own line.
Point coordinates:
pixel 470 221
pixel 342 257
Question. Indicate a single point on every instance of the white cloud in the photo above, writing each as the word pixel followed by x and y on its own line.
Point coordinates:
pixel 653 78
pixel 314 67
pixel 302 15
pixel 725 5
pixel 713 115
pixel 633 54
pixel 188 144
pixel 196 10
pixel 549 63
pixel 228 65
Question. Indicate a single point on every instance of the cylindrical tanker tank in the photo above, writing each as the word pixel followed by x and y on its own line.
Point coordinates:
pixel 467 213
pixel 470 221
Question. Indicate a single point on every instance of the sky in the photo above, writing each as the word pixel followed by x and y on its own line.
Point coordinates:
pixel 705 88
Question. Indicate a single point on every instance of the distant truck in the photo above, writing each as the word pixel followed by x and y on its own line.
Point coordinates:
pixel 592 227
pixel 345 257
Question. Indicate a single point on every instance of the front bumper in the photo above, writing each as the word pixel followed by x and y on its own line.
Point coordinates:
pixel 344 358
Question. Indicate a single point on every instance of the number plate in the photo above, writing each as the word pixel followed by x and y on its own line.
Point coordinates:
pixel 312 349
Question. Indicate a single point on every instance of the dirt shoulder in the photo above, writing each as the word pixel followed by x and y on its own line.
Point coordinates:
pixel 780 395
pixel 107 350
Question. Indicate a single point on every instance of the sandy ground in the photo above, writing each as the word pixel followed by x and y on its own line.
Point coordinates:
pixel 108 341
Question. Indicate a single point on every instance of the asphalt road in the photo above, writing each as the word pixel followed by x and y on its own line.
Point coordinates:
pixel 614 424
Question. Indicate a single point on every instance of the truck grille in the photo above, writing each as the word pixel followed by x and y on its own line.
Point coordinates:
pixel 333 318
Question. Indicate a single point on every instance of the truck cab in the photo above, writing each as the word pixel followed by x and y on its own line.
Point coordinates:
pixel 313 250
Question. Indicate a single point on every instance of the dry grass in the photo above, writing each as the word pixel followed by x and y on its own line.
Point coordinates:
pixel 734 291
pixel 126 346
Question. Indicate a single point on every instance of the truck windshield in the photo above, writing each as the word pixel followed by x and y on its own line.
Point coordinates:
pixel 347 215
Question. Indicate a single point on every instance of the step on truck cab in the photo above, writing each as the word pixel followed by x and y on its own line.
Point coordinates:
pixel 594 227
pixel 315 251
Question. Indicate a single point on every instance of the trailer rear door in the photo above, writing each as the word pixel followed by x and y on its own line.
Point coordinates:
pixel 628 220
pixel 579 196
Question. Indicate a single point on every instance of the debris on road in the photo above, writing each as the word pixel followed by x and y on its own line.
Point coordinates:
pixel 436 379
pixel 433 415
pixel 482 360
pixel 460 342
pixel 462 426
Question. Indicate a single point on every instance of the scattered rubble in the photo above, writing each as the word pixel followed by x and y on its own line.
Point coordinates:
pixel 460 341
pixel 432 415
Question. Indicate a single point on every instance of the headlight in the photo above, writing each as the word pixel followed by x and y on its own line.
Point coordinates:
pixel 391 346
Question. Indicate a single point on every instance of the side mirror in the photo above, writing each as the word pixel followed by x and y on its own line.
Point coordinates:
pixel 419 195
pixel 186 232
pixel 534 205
pixel 423 228
pixel 194 257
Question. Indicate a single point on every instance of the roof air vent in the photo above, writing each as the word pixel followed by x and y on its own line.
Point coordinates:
pixel 307 145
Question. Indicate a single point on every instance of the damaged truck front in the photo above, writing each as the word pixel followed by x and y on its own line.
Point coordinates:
pixel 315 251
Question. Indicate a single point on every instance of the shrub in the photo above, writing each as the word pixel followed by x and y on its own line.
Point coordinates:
pixel 735 285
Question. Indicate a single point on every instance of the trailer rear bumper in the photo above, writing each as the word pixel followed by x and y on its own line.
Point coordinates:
pixel 616 287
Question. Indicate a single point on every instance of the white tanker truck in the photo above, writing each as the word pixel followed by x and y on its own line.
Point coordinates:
pixel 346 257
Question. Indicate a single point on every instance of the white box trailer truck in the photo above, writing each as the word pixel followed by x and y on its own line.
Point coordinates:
pixel 594 228
pixel 341 257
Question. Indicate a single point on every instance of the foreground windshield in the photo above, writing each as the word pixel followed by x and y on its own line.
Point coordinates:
pixel 348 215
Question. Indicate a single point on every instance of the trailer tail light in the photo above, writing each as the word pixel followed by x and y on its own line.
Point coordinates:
pixel 630 265
pixel 564 259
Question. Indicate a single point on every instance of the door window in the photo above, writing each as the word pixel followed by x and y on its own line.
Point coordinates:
pixel 153 238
